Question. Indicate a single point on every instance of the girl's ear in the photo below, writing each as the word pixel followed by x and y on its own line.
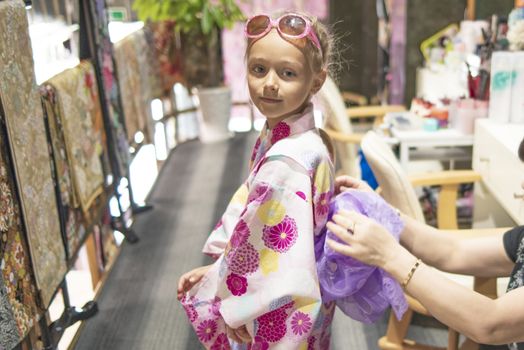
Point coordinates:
pixel 319 80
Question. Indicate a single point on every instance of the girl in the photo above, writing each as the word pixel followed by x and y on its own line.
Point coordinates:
pixel 263 288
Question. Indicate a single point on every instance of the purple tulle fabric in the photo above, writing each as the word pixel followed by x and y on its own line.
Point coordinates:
pixel 361 291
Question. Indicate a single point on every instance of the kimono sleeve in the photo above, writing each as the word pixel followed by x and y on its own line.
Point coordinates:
pixel 268 270
pixel 217 240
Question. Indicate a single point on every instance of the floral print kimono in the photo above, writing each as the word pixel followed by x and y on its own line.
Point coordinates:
pixel 265 276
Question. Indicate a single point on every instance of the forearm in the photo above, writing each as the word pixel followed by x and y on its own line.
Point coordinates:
pixel 472 252
pixel 431 245
pixel 454 305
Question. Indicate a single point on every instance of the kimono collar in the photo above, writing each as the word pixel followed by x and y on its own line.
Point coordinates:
pixel 294 124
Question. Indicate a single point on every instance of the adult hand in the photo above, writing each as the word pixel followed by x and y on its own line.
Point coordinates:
pixel 239 335
pixel 189 279
pixel 344 182
pixel 366 240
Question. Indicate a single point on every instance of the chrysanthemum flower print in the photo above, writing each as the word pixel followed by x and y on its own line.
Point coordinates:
pixel 300 323
pixel 268 261
pixel 323 178
pixel 260 193
pixel 240 195
pixel 190 312
pixel 301 195
pixel 272 325
pixel 206 330
pixel 236 284
pixel 255 150
pixel 240 234
pixel 280 131
pixel 221 343
pixel 282 236
pixel 219 223
pixel 258 344
pixel 311 343
pixel 271 212
pixel 243 260
pixel 322 205
pixel 265 276
pixel 214 309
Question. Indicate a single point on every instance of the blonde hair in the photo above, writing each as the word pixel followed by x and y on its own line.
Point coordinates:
pixel 321 60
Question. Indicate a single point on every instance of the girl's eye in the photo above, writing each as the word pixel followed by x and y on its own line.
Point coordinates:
pixel 288 73
pixel 258 69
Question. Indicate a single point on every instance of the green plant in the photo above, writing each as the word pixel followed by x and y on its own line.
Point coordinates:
pixel 190 14
pixel 199 23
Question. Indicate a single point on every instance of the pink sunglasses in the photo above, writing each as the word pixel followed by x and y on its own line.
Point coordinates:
pixel 290 25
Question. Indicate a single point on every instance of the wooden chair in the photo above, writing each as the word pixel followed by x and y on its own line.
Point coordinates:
pixel 338 120
pixel 398 190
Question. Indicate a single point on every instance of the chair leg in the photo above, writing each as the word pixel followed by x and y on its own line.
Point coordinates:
pixel 469 345
pixel 453 339
pixel 486 286
pixel 396 332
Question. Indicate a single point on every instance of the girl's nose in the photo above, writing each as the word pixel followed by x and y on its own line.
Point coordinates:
pixel 271 87
pixel 271 84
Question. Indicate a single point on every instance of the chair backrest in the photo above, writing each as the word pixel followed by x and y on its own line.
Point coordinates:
pixel 393 181
pixel 336 118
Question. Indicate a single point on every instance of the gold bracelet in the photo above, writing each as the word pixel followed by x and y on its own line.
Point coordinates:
pixel 404 284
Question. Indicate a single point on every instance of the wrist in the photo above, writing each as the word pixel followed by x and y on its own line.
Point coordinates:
pixel 400 264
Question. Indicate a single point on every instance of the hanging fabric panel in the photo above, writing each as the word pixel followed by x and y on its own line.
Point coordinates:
pixel 148 77
pixel 26 131
pixel 18 285
pixel 73 229
pixel 81 117
pixel 146 42
pixel 129 82
pixel 108 80
pixel 139 83
pixel 9 336
pixel 169 56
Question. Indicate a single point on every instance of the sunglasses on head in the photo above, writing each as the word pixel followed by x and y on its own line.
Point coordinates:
pixel 291 26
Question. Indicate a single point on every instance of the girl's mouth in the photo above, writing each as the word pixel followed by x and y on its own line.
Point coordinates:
pixel 270 100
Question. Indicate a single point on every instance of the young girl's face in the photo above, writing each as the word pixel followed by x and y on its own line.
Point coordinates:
pixel 280 79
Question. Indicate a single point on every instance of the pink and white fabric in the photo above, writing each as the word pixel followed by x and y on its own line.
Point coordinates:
pixel 265 276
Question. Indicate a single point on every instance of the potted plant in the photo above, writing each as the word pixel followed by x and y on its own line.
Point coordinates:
pixel 199 23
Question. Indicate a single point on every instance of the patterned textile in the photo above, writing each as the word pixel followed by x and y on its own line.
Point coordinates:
pixel 79 106
pixel 361 291
pixel 514 246
pixel 73 229
pixel 517 255
pixel 9 336
pixel 104 57
pixel 17 278
pixel 25 127
pixel 138 83
pixel 265 276
pixel 169 56
pixel 152 66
